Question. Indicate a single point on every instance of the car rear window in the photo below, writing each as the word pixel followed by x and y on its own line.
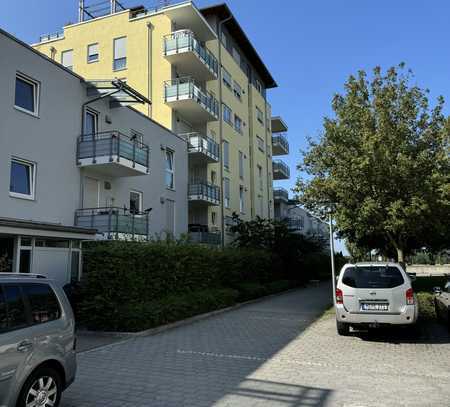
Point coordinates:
pixel 44 305
pixel 372 277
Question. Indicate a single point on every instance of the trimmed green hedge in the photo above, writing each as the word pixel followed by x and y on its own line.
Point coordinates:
pixel 132 286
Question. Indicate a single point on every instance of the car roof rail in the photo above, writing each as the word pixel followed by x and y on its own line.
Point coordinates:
pixel 22 275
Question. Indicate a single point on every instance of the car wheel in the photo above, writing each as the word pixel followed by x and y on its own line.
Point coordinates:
pixel 42 389
pixel 343 329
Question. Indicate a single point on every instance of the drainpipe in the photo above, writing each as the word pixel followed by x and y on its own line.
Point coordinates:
pixel 251 134
pixel 219 34
pixel 268 162
pixel 149 67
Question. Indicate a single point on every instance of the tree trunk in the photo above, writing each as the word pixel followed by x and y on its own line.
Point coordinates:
pixel 401 258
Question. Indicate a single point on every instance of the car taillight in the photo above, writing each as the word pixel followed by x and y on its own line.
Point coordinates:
pixel 410 296
pixel 339 296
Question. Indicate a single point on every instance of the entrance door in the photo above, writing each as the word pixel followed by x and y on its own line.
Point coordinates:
pixel 91 193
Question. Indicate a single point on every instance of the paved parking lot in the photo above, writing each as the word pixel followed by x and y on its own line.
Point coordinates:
pixel 272 353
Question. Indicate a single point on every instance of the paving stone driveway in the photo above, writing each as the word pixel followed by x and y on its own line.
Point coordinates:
pixel 272 353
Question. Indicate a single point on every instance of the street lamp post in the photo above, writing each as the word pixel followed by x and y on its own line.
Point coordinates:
pixel 333 271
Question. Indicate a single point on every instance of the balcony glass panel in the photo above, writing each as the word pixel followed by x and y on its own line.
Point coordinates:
pixel 204 191
pixel 203 144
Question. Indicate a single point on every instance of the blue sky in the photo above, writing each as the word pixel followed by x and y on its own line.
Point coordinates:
pixel 309 46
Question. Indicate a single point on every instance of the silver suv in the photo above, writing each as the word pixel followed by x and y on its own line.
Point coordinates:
pixel 373 294
pixel 37 341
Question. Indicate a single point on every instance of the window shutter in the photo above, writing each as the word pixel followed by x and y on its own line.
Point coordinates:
pixel 93 49
pixel 67 58
pixel 120 48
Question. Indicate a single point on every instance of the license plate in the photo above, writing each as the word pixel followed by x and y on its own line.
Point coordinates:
pixel 374 307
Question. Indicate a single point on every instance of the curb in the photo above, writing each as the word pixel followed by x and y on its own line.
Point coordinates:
pixel 187 321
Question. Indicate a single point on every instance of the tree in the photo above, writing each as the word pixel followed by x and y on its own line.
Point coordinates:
pixel 383 164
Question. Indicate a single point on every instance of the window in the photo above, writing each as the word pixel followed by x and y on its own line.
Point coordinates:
pixel 120 54
pixel 22 179
pixel 226 78
pixel 170 182
pixel 258 86
pixel 27 94
pixel 372 277
pixel 90 122
pixel 241 199
pixel 44 306
pixel 227 114
pixel 259 115
pixel 135 202
pixel 92 53
pixel 260 143
pixel 236 56
pixel 75 266
pixel 213 220
pixel 238 124
pixel 213 177
pixel 241 165
pixel 67 59
pixel 3 316
pixel 260 178
pixel 237 90
pixel 226 192
pixel 15 307
pixel 226 155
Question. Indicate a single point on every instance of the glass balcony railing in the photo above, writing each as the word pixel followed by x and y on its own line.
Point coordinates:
pixel 182 89
pixel 113 147
pixel 280 144
pixel 280 194
pixel 205 192
pixel 200 144
pixel 280 170
pixel 184 41
pixel 114 223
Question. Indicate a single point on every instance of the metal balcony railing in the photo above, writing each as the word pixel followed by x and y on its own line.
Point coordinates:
pixel 281 167
pixel 199 143
pixel 185 41
pixel 114 145
pixel 203 191
pixel 185 88
pixel 295 223
pixel 114 222
pixel 280 193
pixel 52 36
pixel 280 140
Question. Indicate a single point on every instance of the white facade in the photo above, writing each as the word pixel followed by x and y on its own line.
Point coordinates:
pixel 76 164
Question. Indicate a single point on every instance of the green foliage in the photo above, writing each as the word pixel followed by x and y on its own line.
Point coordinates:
pixel 132 286
pixel 4 267
pixel 383 162
pixel 427 311
pixel 426 284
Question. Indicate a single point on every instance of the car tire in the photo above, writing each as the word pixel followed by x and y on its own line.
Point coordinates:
pixel 44 382
pixel 342 328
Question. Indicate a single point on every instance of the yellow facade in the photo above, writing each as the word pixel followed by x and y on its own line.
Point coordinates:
pixel 147 68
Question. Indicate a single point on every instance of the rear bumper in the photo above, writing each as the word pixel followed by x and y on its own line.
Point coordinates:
pixel 408 316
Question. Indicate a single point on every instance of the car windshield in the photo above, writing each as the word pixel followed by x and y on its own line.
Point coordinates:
pixel 372 277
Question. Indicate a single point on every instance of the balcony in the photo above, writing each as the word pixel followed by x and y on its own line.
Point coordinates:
pixel 184 51
pixel 202 148
pixel 278 125
pixel 280 194
pixel 200 234
pixel 190 101
pixel 113 154
pixel 280 170
pixel 204 193
pixel 280 144
pixel 295 224
pixel 114 223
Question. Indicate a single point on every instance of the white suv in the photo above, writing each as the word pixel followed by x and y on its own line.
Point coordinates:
pixel 374 294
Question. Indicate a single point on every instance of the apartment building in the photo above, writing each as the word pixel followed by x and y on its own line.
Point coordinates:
pixel 298 219
pixel 206 83
pixel 78 162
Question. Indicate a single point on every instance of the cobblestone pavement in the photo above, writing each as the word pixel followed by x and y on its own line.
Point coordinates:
pixel 272 353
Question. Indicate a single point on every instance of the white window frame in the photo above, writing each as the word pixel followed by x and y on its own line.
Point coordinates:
pixel 238 127
pixel 226 108
pixel 95 114
pixel 226 192
pixel 32 166
pixel 169 171
pixel 226 155
pixel 36 94
pixel 88 54
pixel 62 58
pixel 141 199
pixel 114 54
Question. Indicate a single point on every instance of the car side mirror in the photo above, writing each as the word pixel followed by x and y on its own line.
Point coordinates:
pixel 412 276
pixel 437 290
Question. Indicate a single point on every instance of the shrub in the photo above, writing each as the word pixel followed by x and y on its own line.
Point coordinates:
pixel 427 311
